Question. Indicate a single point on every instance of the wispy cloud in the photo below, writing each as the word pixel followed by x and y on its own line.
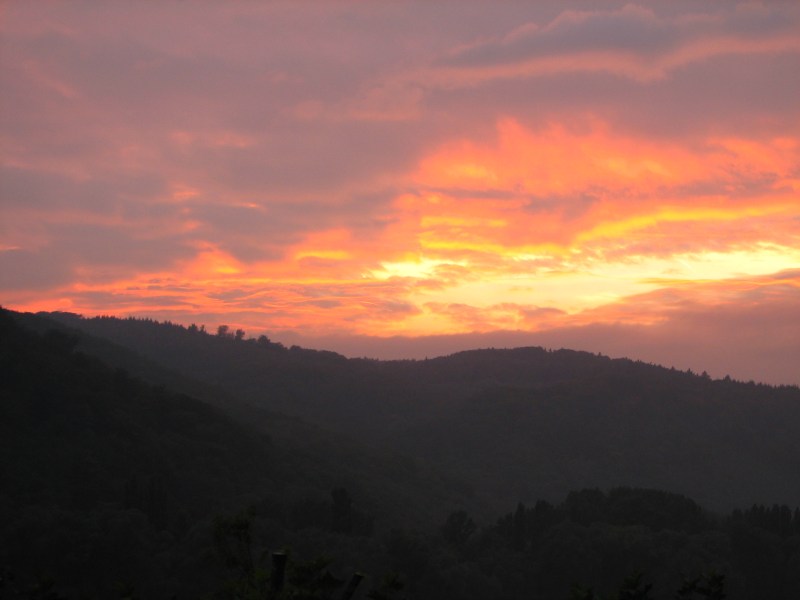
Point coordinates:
pixel 391 169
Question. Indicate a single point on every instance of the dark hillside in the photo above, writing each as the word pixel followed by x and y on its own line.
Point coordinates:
pixel 230 379
pixel 722 442
pixel 522 423
pixel 111 485
pixel 101 471
pixel 107 479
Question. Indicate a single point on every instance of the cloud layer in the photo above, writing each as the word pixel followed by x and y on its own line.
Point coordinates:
pixel 582 170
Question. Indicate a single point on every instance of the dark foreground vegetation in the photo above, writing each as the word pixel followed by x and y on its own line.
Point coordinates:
pixel 152 462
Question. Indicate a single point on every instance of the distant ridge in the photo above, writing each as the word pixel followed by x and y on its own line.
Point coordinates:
pixel 119 486
pixel 524 422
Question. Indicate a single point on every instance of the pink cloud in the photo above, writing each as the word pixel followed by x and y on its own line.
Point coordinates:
pixel 339 168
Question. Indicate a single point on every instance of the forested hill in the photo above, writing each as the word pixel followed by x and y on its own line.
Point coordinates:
pixel 112 487
pixel 100 472
pixel 106 479
pixel 523 423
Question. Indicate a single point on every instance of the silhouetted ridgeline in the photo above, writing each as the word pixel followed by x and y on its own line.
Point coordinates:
pixel 107 479
pixel 116 478
pixel 525 423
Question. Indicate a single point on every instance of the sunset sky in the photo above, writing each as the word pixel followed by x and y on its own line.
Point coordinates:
pixel 616 177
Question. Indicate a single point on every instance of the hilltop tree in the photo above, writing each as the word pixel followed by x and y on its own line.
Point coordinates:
pixel 458 528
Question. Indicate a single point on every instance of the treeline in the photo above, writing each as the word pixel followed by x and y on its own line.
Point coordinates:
pixel 110 483
pixel 596 538
pixel 524 423
pixel 118 488
pixel 532 552
pixel 648 545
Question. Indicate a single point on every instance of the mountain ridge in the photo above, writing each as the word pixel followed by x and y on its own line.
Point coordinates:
pixel 116 479
pixel 590 419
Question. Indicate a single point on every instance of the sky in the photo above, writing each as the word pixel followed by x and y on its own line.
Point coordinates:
pixel 409 179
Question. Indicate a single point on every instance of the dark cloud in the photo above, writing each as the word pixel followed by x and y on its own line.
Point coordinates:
pixel 633 29
pixel 102 253
pixel 101 195
pixel 26 270
pixel 110 303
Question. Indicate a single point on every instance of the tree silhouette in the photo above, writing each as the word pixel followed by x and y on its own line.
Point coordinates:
pixel 519 530
pixel 580 592
pixel 310 580
pixel 458 528
pixel 633 589
pixel 708 586
pixel 390 585
pixel 234 543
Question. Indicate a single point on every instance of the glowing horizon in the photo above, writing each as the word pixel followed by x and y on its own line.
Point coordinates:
pixel 375 172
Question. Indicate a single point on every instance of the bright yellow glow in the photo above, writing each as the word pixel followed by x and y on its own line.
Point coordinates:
pixel 420 268
pixel 531 230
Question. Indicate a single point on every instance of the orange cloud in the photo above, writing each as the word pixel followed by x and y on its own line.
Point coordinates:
pixel 602 166
pixel 533 230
